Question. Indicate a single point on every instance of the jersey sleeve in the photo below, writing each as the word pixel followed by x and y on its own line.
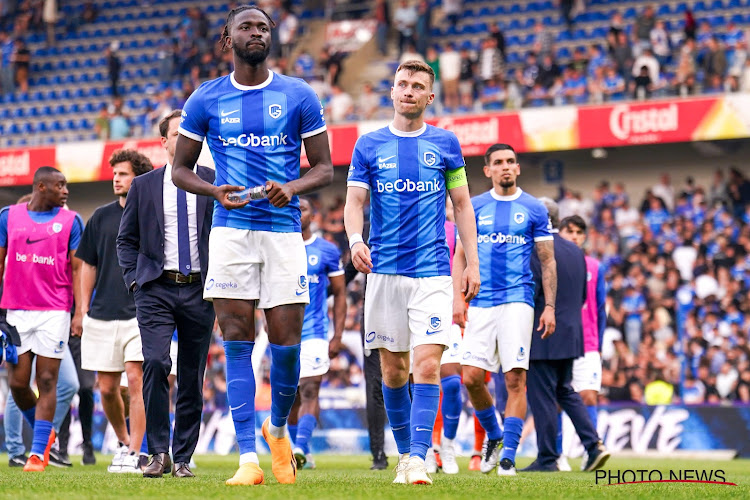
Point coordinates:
pixel 4 227
pixel 87 247
pixel 453 157
pixel 194 119
pixel 75 233
pixel 542 230
pixel 313 121
pixel 359 170
pixel 333 266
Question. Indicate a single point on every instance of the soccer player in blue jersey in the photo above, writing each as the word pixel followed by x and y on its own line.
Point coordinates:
pixel 254 122
pixel 408 167
pixel 323 268
pixel 510 223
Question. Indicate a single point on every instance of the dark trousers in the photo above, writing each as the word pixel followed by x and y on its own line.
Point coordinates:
pixel 86 379
pixel 548 384
pixel 162 307
pixel 375 404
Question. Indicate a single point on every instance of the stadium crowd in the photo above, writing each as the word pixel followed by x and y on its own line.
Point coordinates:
pixel 644 59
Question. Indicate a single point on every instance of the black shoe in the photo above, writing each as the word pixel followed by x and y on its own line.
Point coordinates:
pixel 17 461
pixel 537 467
pixel 379 461
pixel 598 456
pixel 58 458
pixel 506 468
pixel 88 454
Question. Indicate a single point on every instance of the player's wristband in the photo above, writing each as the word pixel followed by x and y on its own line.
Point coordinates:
pixel 455 178
pixel 549 305
pixel 354 239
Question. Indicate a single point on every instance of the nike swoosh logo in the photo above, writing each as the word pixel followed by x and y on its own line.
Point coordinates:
pixel 433 332
pixel 287 395
pixel 31 242
pixel 383 160
pixel 237 407
pixel 299 292
pixel 484 217
pixel 399 428
pixel 227 113
pixel 423 429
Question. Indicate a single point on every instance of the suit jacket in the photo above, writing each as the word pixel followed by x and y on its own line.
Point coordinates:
pixel 567 341
pixel 140 242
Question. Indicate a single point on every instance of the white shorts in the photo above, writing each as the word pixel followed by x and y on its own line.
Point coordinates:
pixel 107 345
pixel 313 358
pixel 453 353
pixel 173 357
pixel 402 313
pixel 257 265
pixel 498 336
pixel 44 333
pixel 587 372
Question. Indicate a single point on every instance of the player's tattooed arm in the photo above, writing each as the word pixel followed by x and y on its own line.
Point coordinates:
pixel 546 252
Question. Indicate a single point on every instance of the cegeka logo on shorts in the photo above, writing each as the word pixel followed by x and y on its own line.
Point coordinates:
pixel 35 259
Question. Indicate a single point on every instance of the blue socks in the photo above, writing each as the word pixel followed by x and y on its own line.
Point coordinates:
pixel 451 405
pixel 284 381
pixel 488 419
pixel 305 427
pixel 593 415
pixel 398 408
pixel 559 437
pixel 42 430
pixel 292 432
pixel 424 409
pixel 511 437
pixel 29 415
pixel 241 391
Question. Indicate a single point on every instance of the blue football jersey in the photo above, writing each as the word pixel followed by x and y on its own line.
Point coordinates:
pixel 405 173
pixel 507 227
pixel 323 261
pixel 255 135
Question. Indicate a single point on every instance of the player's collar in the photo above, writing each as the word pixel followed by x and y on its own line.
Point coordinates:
pixel 239 86
pixel 512 197
pixel 312 238
pixel 401 133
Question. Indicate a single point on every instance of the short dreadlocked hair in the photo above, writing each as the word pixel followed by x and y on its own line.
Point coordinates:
pixel 230 20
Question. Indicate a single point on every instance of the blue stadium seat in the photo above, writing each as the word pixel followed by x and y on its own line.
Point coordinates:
pixel 14 129
pixel 717 6
pixel 45 110
pixel 699 6
pixel 70 125
pixel 56 126
pixel 26 128
pixel 59 110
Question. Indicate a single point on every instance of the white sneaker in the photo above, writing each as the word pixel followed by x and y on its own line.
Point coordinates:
pixel 430 461
pixel 116 464
pixel 310 463
pixel 403 462
pixel 130 465
pixel 506 468
pixel 563 465
pixel 490 454
pixel 416 472
pixel 448 456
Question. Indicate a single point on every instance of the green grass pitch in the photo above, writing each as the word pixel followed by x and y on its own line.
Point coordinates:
pixel 348 477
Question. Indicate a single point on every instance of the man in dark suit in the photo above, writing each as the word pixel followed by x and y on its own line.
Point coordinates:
pixel 162 247
pixel 551 369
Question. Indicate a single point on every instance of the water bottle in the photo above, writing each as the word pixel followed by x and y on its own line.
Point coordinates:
pixel 249 194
